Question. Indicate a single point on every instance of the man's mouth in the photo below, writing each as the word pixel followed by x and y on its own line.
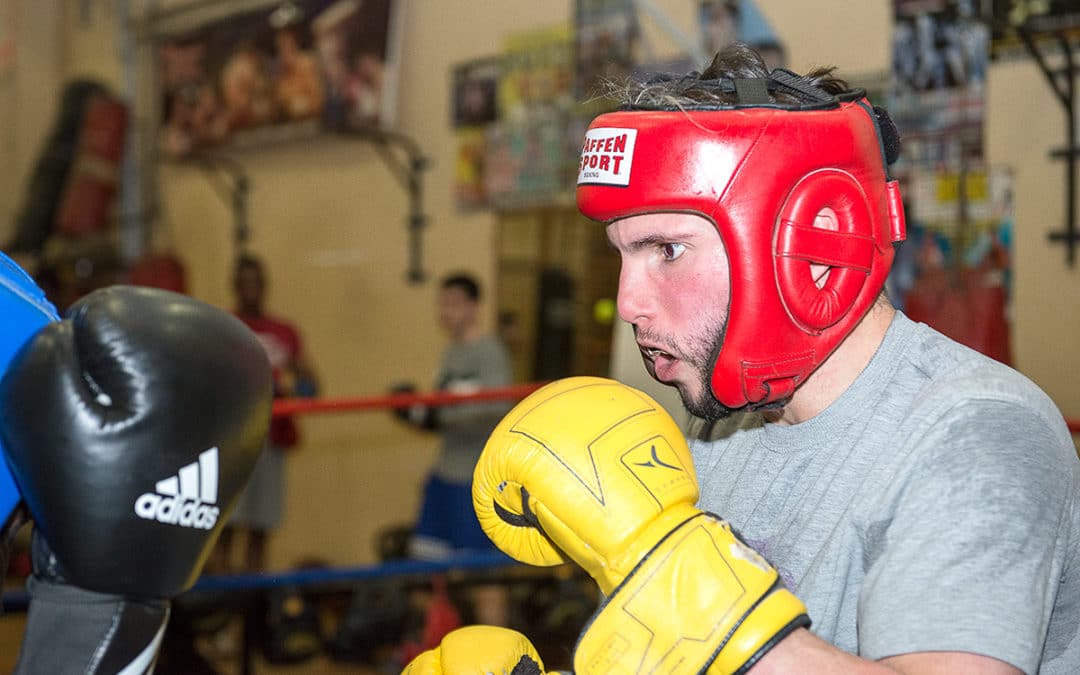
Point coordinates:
pixel 659 363
pixel 653 353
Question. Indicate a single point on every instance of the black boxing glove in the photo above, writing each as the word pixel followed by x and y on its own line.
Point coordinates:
pixel 131 427
pixel 416 415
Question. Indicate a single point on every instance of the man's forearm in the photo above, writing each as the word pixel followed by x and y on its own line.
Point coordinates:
pixel 804 652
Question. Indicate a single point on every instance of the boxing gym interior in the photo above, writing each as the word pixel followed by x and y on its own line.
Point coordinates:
pixel 346 175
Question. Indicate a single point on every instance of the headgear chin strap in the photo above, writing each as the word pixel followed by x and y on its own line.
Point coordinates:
pixel 762 172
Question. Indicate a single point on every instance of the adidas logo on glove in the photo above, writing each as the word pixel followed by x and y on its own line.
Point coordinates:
pixel 186 499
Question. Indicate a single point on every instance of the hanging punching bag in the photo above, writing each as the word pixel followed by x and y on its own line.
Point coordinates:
pixel 94 179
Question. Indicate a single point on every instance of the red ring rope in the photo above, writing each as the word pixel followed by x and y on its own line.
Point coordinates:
pixel 306 406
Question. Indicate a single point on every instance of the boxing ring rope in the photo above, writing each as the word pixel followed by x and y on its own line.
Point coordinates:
pixel 304 406
pixel 307 406
pixel 342 575
pixel 16 600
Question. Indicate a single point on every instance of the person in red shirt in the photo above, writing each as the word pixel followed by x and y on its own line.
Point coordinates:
pixel 261 507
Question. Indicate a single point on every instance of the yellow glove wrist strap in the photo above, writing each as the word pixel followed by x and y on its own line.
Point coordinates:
pixel 701 597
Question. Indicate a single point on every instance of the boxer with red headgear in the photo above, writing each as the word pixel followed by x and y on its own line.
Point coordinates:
pixel 918 498
pixel 788 186
pixel 889 473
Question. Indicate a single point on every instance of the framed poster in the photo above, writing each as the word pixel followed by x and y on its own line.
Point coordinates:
pixel 475 92
pixel 283 70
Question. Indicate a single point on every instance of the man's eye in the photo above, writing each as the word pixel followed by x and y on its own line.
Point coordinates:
pixel 672 251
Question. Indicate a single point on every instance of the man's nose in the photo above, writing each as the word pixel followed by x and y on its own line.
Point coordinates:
pixel 633 299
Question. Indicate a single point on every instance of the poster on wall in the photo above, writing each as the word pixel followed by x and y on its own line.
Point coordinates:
pixel 537 71
pixel 284 71
pixel 469 168
pixel 519 155
pixel 531 161
pixel 510 114
pixel 475 92
pixel 475 105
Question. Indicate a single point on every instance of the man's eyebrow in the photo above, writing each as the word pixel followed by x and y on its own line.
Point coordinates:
pixel 651 240
pixel 646 241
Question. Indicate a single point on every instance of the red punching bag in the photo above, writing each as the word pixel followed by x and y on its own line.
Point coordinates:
pixel 159 270
pixel 94 178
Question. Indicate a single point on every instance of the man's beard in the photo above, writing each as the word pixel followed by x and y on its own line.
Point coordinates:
pixel 705 406
pixel 702 354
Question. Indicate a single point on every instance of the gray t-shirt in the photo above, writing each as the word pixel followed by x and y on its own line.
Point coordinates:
pixel 467 368
pixel 932 507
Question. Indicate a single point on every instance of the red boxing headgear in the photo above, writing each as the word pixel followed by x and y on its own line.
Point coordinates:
pixel 762 173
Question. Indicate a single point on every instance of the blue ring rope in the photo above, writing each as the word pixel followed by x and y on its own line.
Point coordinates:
pixel 19 600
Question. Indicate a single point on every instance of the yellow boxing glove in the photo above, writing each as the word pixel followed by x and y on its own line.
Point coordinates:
pixel 593 470
pixel 479 650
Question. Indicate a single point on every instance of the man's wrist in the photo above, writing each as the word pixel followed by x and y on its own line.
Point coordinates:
pixel 800 651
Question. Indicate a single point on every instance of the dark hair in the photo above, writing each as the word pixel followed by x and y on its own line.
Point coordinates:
pixel 735 61
pixel 466 282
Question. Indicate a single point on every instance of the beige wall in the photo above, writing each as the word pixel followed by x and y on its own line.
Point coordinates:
pixel 30 95
pixel 330 219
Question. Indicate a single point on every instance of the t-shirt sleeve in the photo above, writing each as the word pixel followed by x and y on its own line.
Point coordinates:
pixel 967 551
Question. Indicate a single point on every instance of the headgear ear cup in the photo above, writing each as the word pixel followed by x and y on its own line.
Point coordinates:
pixel 849 251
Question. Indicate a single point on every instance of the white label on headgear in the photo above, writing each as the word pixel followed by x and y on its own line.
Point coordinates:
pixel 607 156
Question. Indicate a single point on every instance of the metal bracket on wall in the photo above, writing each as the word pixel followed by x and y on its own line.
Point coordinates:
pixel 1063 83
pixel 231 182
pixel 408 169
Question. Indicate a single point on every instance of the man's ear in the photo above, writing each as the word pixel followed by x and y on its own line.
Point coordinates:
pixel 826 219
